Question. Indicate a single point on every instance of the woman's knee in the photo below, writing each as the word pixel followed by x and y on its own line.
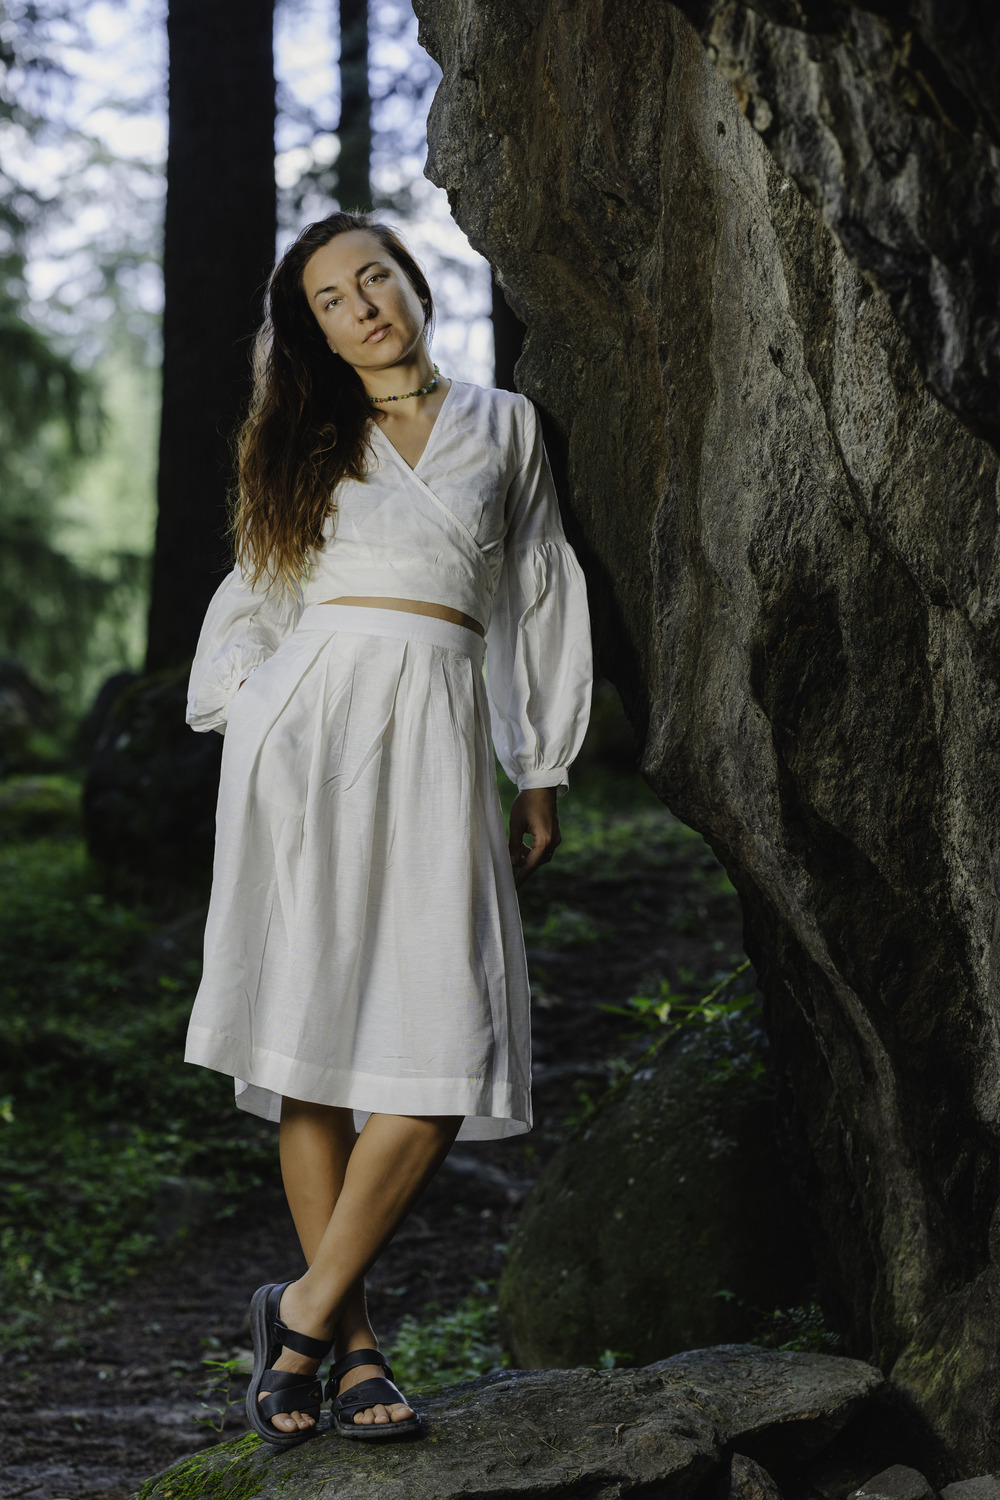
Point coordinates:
pixel 333 1116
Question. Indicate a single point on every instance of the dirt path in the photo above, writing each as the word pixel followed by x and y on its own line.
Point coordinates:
pixel 92 1424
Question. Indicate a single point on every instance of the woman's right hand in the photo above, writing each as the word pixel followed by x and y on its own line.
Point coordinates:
pixel 533 812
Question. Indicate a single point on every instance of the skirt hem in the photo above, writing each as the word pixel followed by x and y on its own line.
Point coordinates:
pixel 492 1109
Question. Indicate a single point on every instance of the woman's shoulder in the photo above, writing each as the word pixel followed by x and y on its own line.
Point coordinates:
pixel 506 417
pixel 508 403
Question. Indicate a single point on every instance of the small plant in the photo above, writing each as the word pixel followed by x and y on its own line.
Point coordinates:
pixel 216 1394
pixel 672 1007
pixel 784 1328
pixel 449 1347
pixel 797 1328
pixel 612 1358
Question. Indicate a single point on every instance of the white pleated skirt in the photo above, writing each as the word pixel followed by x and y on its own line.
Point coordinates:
pixel 363 946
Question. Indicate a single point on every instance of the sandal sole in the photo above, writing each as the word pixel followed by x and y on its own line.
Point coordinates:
pixel 381 1432
pixel 260 1335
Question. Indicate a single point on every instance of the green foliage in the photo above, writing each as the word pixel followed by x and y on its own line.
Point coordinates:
pixel 668 1014
pixel 38 807
pixel 789 1327
pixel 98 1107
pixel 57 601
pixel 218 1389
pixel 430 1354
pixel 670 1007
pixel 563 927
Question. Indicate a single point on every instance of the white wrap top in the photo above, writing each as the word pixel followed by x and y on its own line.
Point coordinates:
pixel 475 525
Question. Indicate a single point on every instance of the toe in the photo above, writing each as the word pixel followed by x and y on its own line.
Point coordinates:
pixel 400 1413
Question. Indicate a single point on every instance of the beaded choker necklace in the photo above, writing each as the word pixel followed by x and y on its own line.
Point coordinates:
pixel 424 390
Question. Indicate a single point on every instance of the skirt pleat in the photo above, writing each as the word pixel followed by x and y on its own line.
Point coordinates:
pixel 363 946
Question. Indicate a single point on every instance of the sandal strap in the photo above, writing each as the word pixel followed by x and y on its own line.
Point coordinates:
pixel 374 1392
pixel 288 1392
pixel 300 1342
pixel 351 1362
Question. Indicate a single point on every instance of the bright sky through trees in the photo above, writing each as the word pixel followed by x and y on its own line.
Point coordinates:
pixel 83 143
pixel 102 152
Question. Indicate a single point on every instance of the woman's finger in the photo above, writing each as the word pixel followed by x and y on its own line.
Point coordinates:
pixel 540 853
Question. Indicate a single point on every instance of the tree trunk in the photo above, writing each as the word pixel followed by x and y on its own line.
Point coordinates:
pixel 218 250
pixel 355 129
pixel 793 553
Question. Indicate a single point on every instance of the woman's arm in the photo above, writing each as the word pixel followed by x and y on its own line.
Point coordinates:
pixel 539 665
pixel 242 628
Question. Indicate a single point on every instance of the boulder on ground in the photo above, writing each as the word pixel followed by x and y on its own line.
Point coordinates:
pixel 25 709
pixel 899 1482
pixel 561 1433
pixel 668 1223
pixel 750 1481
pixel 150 793
pixel 33 807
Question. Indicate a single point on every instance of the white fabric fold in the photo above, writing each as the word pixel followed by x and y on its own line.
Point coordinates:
pixel 476 526
pixel 538 664
pixel 242 628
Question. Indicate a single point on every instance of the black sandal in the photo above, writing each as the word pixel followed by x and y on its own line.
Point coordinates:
pixel 287 1392
pixel 379 1391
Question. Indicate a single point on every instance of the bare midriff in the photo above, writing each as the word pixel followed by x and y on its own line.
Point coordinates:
pixel 418 607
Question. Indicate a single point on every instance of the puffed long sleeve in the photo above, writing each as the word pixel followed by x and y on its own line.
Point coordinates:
pixel 242 628
pixel 539 664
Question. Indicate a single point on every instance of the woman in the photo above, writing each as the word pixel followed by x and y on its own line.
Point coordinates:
pixel 364 962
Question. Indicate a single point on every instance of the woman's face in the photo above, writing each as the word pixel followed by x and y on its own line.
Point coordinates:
pixel 369 313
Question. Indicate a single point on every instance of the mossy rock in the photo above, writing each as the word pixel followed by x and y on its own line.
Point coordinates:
pixel 151 790
pixel 668 1223
pixel 33 807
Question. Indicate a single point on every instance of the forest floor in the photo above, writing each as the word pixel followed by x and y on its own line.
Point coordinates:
pixel 142 1210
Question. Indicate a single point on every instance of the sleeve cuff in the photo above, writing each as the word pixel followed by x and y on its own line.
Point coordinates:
pixel 558 777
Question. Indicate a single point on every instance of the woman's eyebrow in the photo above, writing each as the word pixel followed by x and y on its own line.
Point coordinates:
pixel 359 272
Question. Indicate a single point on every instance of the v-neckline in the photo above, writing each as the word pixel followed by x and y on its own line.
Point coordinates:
pixel 412 468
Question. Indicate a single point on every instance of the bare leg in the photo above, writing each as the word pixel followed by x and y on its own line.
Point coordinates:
pixel 316 1142
pixel 380 1174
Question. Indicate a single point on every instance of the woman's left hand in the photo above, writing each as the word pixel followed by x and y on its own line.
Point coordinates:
pixel 533 811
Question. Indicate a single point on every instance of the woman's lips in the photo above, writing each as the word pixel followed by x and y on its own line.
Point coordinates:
pixel 378 334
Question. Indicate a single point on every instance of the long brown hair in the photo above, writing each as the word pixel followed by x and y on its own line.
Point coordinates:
pixel 309 421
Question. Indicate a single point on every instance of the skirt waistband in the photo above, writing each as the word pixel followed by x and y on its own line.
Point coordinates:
pixel 363 619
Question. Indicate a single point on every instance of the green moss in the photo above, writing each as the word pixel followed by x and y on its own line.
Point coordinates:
pixel 205 1478
pixel 39 807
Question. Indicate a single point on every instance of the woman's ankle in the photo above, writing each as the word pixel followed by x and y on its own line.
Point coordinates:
pixel 302 1310
pixel 357 1338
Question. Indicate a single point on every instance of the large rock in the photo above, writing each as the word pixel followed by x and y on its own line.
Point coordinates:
pixel 602 1434
pixel 25 709
pixel 887 115
pixel 792 549
pixel 667 1223
pixel 151 789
